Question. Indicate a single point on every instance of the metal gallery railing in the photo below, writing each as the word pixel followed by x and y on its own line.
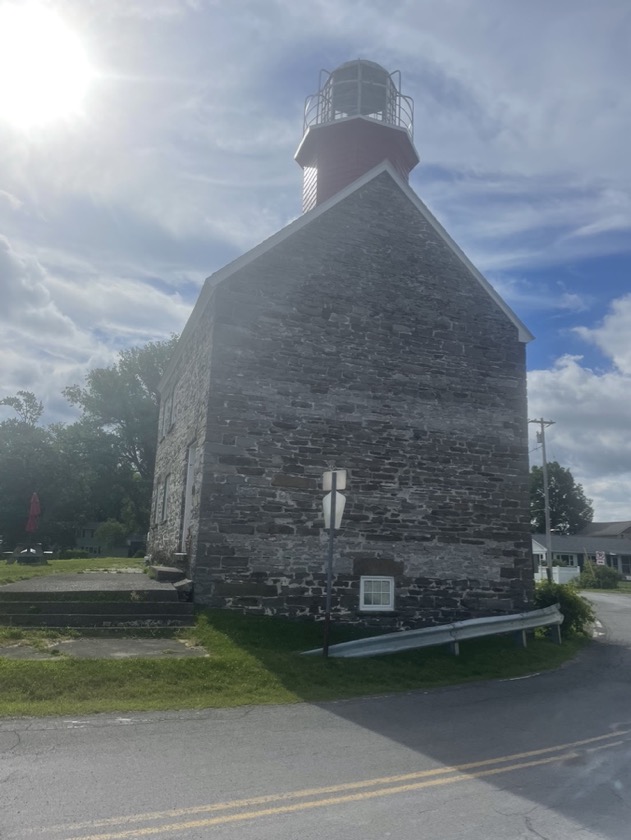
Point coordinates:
pixel 451 634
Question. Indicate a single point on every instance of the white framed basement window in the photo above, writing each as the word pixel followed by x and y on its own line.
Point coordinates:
pixel 376 593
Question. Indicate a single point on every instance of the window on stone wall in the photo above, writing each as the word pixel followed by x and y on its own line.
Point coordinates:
pixel 156 501
pixel 165 498
pixel 376 594
pixel 167 415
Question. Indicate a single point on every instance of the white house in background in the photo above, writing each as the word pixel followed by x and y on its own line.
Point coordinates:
pixel 574 550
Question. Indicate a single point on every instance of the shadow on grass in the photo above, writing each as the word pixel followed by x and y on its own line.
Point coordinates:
pixel 275 644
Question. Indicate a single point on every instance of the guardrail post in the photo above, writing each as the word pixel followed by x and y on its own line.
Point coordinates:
pixel 521 638
pixel 556 633
pixel 455 648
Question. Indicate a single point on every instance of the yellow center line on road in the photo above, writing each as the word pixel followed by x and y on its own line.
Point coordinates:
pixel 243 816
pixel 386 785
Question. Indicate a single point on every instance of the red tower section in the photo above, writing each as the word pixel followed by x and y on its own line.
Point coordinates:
pixel 356 120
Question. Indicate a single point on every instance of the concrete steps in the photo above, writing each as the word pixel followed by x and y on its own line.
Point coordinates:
pixel 92 601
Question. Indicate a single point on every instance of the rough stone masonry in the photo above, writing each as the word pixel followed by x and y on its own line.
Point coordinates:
pixel 358 337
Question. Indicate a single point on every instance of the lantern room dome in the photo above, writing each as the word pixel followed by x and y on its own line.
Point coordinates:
pixel 360 88
pixel 357 119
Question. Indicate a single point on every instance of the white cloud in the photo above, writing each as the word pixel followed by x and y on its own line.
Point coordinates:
pixel 194 139
pixel 612 335
pixel 53 329
pixel 592 415
pixel 527 295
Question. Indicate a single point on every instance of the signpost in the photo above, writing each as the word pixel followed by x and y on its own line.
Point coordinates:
pixel 333 508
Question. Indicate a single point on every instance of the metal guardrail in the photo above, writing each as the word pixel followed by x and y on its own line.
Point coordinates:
pixel 451 634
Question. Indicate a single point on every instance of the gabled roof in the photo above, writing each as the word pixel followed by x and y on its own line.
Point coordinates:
pixel 581 544
pixel 606 529
pixel 302 221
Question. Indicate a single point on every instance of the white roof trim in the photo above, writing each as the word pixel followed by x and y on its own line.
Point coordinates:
pixel 306 218
pixel 523 332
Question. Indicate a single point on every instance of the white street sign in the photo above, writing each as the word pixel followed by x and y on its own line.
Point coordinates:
pixel 327 480
pixel 340 502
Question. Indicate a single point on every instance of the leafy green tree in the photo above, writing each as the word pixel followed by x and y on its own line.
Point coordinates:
pixel 123 400
pixel 27 407
pixel 111 533
pixel 27 465
pixel 570 510
pixel 98 479
pixel 96 469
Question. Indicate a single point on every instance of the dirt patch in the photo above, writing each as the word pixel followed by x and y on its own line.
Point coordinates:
pixel 107 649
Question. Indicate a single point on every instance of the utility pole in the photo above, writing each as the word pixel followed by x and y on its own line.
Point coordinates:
pixel 541 438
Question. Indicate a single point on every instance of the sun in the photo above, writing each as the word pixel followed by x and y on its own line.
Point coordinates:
pixel 44 71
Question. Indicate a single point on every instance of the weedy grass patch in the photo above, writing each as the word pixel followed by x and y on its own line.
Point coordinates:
pixel 257 660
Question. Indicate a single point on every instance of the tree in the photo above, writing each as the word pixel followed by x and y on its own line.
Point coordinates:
pixel 123 400
pixel 570 510
pixel 96 469
pixel 76 471
pixel 32 461
pixel 112 534
pixel 26 405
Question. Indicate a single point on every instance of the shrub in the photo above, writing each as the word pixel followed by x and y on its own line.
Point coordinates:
pixel 160 557
pixel 111 533
pixel 599 577
pixel 577 612
pixel 74 554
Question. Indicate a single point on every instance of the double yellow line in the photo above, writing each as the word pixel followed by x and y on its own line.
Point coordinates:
pixel 321 797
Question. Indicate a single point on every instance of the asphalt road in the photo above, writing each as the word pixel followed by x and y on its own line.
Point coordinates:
pixel 541 757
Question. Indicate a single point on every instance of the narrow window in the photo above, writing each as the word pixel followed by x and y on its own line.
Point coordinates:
pixel 376 594
pixel 156 501
pixel 165 498
pixel 167 416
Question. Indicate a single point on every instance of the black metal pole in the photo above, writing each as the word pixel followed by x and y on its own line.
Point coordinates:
pixel 329 566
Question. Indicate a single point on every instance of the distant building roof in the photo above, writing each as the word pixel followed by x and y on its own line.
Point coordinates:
pixel 583 544
pixel 607 529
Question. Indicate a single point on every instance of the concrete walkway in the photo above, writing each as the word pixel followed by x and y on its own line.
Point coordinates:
pixel 89 582
pixel 93 647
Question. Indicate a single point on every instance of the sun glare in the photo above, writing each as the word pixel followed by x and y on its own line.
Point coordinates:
pixel 44 71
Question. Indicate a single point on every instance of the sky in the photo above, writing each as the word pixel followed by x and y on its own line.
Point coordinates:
pixel 146 143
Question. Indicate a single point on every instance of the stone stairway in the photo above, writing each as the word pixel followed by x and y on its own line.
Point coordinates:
pixel 95 600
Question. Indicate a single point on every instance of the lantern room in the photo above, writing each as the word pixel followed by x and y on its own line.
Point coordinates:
pixel 357 119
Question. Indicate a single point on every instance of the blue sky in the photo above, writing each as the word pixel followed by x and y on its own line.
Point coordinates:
pixel 179 157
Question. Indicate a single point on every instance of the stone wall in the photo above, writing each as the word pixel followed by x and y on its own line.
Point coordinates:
pixel 187 390
pixel 363 341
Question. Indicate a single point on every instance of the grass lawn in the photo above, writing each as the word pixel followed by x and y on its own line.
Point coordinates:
pixel 10 572
pixel 253 660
